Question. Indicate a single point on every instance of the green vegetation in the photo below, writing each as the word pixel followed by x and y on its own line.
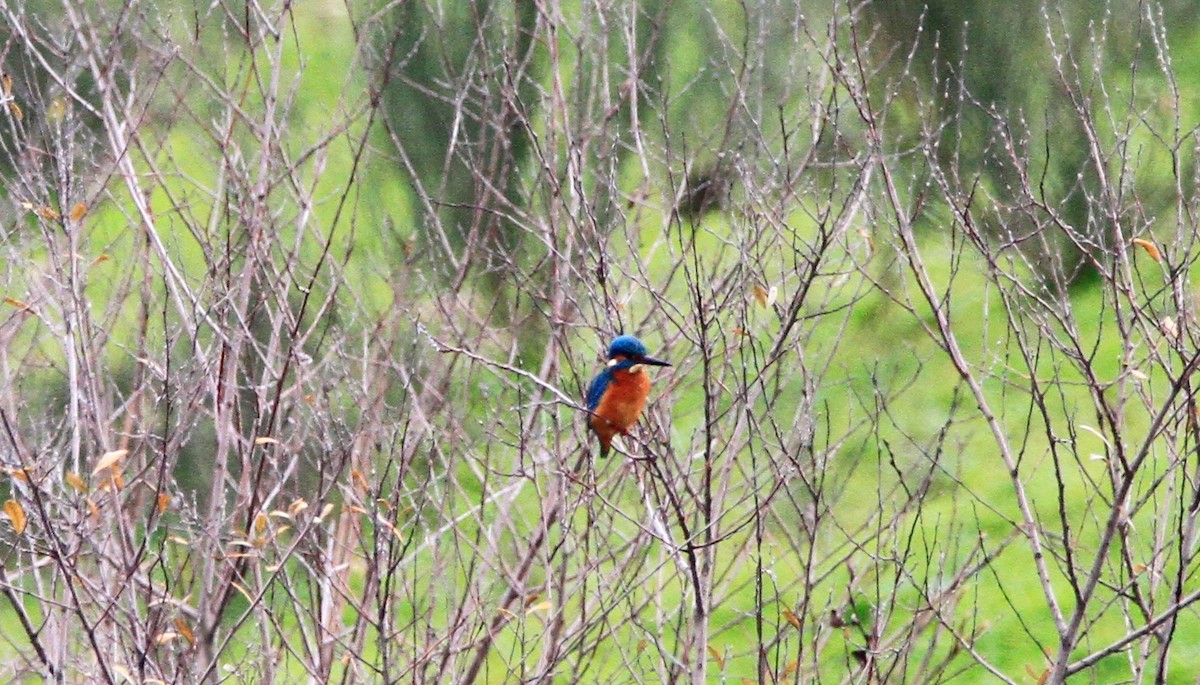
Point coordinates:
pixel 300 302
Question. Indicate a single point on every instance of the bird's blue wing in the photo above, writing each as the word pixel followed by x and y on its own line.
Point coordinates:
pixel 596 389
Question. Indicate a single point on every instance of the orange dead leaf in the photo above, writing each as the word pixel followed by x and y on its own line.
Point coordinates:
pixel 164 502
pixel 791 618
pixel 760 295
pixel 1150 248
pixel 47 212
pixel 18 304
pixel 76 481
pixel 101 259
pixel 185 630
pixel 78 211
pixel 716 656
pixel 16 111
pixel 16 514
pixel 6 83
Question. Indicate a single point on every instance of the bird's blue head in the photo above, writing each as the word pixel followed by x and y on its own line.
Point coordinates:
pixel 626 346
pixel 633 349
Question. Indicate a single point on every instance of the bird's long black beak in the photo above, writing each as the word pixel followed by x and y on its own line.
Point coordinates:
pixel 653 362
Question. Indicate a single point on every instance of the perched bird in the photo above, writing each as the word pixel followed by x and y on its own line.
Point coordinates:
pixel 617 395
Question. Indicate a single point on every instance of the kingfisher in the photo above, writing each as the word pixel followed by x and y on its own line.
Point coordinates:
pixel 617 395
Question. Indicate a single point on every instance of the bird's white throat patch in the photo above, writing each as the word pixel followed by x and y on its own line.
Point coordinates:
pixel 637 368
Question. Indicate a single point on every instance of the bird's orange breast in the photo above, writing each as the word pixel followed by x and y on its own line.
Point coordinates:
pixel 622 403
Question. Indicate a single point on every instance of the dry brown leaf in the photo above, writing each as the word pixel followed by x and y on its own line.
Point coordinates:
pixel 6 83
pixel 78 211
pixel 47 212
pixel 16 111
pixel 108 459
pixel 164 502
pixel 1150 248
pixel 791 618
pixel 264 440
pixel 16 514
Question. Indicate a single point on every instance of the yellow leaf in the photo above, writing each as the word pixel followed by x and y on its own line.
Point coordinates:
pixel 108 459
pixel 78 211
pixel 166 637
pixel 716 656
pixel 57 110
pixel 16 514
pixel 19 474
pixel 47 212
pixel 75 481
pixel 101 259
pixel 359 480
pixel 545 605
pixel 16 111
pixel 1150 248
pixel 1139 568
pixel 260 524
pixel 6 83
pixel 265 441
pixel 298 506
pixel 184 630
